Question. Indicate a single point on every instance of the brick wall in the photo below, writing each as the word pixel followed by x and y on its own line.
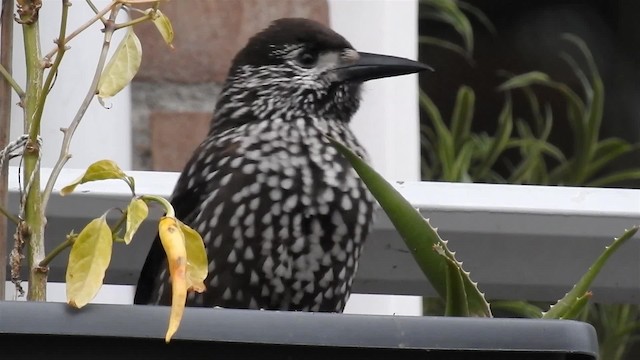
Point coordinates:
pixel 174 93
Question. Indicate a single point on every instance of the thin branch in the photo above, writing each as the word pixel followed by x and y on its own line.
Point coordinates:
pixel 83 27
pixel 69 131
pixel 134 21
pixel 68 242
pixel 66 4
pixel 14 219
pixel 16 87
pixel 94 8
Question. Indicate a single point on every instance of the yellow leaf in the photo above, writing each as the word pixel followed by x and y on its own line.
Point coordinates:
pixel 137 212
pixel 122 66
pixel 89 258
pixel 197 263
pixel 173 243
pixel 99 170
pixel 163 24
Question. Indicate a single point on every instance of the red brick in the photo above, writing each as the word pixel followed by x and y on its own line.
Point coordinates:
pixel 208 33
pixel 174 137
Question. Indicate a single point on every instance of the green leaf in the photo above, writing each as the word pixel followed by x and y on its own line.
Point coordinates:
pixel 137 212
pixel 448 12
pixel 607 151
pixel 499 141
pixel 525 80
pixel 88 260
pixel 197 263
pixel 462 116
pixel 448 45
pixel 456 303
pixel 577 308
pixel 122 66
pixel 567 304
pixel 444 146
pixel 616 177
pixel 163 24
pixel 99 170
pixel 419 236
pixel 517 307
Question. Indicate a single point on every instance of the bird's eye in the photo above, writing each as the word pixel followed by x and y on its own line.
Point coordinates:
pixel 307 59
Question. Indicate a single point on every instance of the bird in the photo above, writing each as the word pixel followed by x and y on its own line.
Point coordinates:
pixel 282 213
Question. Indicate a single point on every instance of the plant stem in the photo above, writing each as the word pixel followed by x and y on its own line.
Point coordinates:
pixel 54 68
pixel 83 27
pixel 69 131
pixel 71 238
pixel 8 216
pixel 33 214
pixel 7 76
pixel 170 212
pixel 134 21
pixel 6 53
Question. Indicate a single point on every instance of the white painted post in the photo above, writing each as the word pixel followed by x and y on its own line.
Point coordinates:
pixel 388 121
pixel 103 133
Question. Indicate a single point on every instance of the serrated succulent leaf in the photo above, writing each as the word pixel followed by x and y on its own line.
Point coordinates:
pixel 419 236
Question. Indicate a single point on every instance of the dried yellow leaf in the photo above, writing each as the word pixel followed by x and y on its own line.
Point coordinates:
pixel 173 243
pixel 197 263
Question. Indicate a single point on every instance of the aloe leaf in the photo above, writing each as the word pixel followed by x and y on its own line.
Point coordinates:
pixel 500 140
pixel 456 303
pixel 582 77
pixel 417 233
pixel 616 177
pixel 607 151
pixel 444 145
pixel 462 116
pixel 448 45
pixel 525 80
pixel 580 304
pixel 460 168
pixel 517 307
pixel 571 299
pixel 482 18
pixel 448 12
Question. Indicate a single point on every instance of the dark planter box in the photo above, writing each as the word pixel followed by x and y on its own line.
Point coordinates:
pixel 55 331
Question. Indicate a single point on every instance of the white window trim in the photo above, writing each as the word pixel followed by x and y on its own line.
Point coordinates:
pixel 519 242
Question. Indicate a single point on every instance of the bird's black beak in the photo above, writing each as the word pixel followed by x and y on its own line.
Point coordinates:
pixel 366 66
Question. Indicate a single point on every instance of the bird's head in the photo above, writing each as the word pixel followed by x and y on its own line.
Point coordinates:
pixel 298 66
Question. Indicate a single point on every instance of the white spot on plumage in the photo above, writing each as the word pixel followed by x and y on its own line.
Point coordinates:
pixel 248 253
pixel 329 293
pixel 236 162
pixel 227 294
pixel 254 203
pixel 254 279
pixel 217 241
pixel 232 257
pixel 239 268
pixel 225 179
pixel 346 203
pixel 275 194
pixel 326 279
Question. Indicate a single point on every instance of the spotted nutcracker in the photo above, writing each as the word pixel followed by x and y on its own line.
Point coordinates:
pixel 282 214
